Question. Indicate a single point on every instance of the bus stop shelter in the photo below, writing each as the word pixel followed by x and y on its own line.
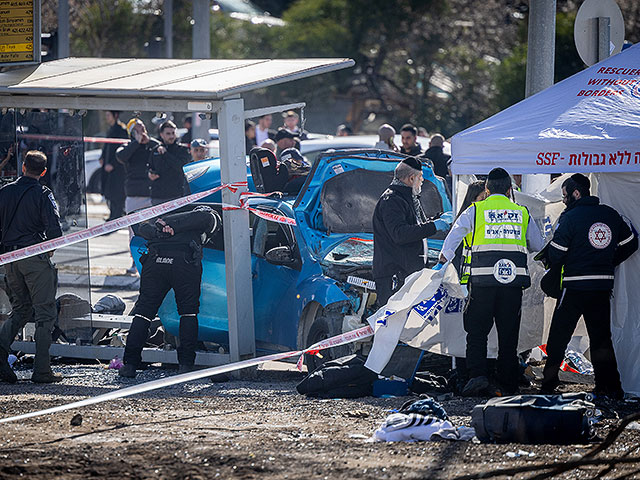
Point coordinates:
pixel 172 85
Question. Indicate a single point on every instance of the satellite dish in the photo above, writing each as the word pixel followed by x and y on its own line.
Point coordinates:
pixel 585 28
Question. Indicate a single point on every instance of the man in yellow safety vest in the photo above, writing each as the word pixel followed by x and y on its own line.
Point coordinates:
pixel 499 233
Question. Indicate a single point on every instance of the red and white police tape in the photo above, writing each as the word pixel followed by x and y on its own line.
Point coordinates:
pixel 112 225
pixel 338 340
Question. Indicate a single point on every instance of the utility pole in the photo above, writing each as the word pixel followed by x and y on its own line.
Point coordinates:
pixel 541 52
pixel 63 28
pixel 201 42
pixel 168 27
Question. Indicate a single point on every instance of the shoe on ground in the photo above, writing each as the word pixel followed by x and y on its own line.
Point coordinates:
pixel 220 378
pixel 46 377
pixel 132 270
pixel 475 387
pixel 6 372
pixel 127 370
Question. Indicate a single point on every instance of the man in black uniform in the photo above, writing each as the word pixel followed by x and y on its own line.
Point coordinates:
pixel 112 170
pixel 399 229
pixel 29 215
pixel 172 262
pixel 590 241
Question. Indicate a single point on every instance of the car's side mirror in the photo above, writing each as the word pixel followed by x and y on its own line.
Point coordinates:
pixel 281 256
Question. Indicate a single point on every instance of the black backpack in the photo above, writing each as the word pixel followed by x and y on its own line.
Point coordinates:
pixel 555 419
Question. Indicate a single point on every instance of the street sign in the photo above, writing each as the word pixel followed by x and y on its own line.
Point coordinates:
pixel 590 29
pixel 19 32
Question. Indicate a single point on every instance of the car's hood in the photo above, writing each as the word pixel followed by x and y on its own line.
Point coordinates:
pixel 205 174
pixel 338 199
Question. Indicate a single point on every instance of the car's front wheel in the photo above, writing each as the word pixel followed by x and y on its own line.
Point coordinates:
pixel 324 327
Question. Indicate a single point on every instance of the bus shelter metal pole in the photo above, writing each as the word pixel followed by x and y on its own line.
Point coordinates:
pixel 237 251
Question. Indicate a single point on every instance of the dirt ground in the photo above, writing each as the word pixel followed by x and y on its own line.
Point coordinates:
pixel 252 429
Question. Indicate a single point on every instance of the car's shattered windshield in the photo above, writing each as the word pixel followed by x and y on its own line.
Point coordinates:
pixel 353 251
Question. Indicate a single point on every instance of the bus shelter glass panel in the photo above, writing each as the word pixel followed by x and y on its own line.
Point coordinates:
pixel 60 136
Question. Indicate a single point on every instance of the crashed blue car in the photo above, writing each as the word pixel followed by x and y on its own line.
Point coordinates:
pixel 312 280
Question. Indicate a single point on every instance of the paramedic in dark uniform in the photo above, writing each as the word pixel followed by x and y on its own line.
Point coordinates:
pixel 173 262
pixel 590 241
pixel 499 233
pixel 29 215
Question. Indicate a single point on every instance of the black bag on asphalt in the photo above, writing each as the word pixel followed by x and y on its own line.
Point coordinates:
pixel 344 377
pixel 556 419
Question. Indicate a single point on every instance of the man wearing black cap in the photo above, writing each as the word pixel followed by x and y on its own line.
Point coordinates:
pixel 499 233
pixel 399 229
pixel 284 139
pixel 590 241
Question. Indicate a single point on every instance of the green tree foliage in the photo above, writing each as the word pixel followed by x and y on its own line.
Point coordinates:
pixel 108 28
pixel 510 76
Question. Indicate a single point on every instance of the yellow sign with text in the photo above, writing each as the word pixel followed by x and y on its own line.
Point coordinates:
pixel 18 28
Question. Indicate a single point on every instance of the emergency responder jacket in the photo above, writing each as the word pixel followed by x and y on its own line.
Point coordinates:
pixel 136 158
pixel 168 166
pixel 189 228
pixel 397 236
pixel 32 212
pixel 499 243
pixel 590 241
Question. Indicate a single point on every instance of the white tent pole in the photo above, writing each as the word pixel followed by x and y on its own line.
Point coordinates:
pixel 237 251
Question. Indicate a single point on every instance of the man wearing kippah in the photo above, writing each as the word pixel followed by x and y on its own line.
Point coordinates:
pixel 499 233
pixel 590 241
pixel 400 227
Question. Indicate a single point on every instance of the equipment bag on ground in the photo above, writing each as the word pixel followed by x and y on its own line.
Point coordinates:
pixel 557 419
pixel 344 377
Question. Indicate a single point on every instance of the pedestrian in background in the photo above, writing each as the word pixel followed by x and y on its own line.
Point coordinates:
pixel 590 241
pixel 400 228
pixel 410 145
pixel 439 159
pixel 29 215
pixel 499 233
pixel 198 149
pixel 187 123
pixel 249 135
pixel 343 130
pixel 112 170
pixel 385 138
pixel 290 122
pixel 165 166
pixel 263 131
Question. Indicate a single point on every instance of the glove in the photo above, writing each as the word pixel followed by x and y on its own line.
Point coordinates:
pixel 441 225
pixel 437 266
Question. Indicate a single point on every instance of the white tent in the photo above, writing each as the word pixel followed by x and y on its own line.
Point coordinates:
pixel 588 123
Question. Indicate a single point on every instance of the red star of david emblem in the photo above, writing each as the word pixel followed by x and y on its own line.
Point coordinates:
pixel 601 235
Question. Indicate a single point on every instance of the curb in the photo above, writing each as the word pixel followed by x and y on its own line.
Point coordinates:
pixel 122 282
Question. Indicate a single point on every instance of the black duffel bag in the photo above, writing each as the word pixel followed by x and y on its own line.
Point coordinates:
pixel 556 419
pixel 344 377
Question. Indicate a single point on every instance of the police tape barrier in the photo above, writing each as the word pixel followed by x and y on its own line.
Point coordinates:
pixel 338 340
pixel 111 226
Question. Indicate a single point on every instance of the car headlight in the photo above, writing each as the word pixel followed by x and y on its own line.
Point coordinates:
pixel 195 173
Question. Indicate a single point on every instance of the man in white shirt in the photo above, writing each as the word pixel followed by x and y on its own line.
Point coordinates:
pixel 262 129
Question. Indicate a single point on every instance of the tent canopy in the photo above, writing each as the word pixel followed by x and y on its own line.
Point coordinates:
pixel 589 122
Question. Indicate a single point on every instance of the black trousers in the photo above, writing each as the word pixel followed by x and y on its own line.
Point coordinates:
pixel 160 273
pixel 486 306
pixel 387 286
pixel 594 306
